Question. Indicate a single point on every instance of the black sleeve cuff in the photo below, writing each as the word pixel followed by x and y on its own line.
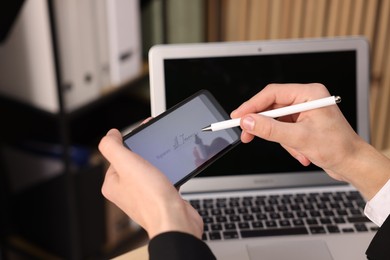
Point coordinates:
pixel 178 245
pixel 379 248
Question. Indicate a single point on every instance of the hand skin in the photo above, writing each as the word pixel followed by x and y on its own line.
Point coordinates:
pixel 320 136
pixel 143 192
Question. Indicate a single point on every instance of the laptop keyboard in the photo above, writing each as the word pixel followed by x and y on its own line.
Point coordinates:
pixel 286 214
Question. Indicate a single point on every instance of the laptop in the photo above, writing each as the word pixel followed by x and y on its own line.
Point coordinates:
pixel 257 202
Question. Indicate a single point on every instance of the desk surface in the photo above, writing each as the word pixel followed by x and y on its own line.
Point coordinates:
pixel 140 253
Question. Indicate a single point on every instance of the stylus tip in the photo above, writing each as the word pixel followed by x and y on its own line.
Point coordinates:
pixel 207 128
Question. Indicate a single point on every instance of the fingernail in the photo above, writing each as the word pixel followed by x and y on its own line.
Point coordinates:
pixel 233 112
pixel 110 132
pixel 248 123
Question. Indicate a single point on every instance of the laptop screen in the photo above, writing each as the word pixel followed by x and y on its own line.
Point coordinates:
pixel 233 79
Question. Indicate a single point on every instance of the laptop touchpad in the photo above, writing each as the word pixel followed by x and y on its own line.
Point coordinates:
pixel 296 250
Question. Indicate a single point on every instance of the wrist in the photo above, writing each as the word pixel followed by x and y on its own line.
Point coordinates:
pixel 367 169
pixel 179 217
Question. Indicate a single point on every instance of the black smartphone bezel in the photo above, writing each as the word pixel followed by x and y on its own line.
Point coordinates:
pixel 219 109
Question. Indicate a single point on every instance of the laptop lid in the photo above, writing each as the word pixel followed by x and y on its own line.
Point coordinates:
pixel 235 71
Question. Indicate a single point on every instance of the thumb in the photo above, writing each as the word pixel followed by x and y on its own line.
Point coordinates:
pixel 286 134
pixel 270 129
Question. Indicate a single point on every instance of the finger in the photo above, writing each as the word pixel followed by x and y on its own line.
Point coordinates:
pixel 112 148
pixel 146 120
pixel 246 137
pixel 109 142
pixel 114 133
pixel 111 180
pixel 275 95
pixel 264 100
pixel 273 130
pixel 297 155
pixel 120 157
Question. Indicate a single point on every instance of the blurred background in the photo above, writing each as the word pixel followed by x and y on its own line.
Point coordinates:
pixel 70 70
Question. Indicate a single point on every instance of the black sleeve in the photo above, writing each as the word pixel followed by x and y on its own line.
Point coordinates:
pixel 379 248
pixel 178 245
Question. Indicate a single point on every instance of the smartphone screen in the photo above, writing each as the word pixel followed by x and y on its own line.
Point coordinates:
pixel 174 141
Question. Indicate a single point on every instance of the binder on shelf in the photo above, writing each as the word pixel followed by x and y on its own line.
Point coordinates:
pixel 124 40
pixel 103 66
pixel 76 32
pixel 99 47
pixel 26 59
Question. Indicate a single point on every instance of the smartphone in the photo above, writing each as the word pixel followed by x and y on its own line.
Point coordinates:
pixel 174 141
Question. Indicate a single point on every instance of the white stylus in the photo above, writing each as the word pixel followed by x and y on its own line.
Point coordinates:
pixel 284 111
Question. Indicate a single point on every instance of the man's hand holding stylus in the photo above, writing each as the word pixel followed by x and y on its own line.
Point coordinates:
pixel 320 136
